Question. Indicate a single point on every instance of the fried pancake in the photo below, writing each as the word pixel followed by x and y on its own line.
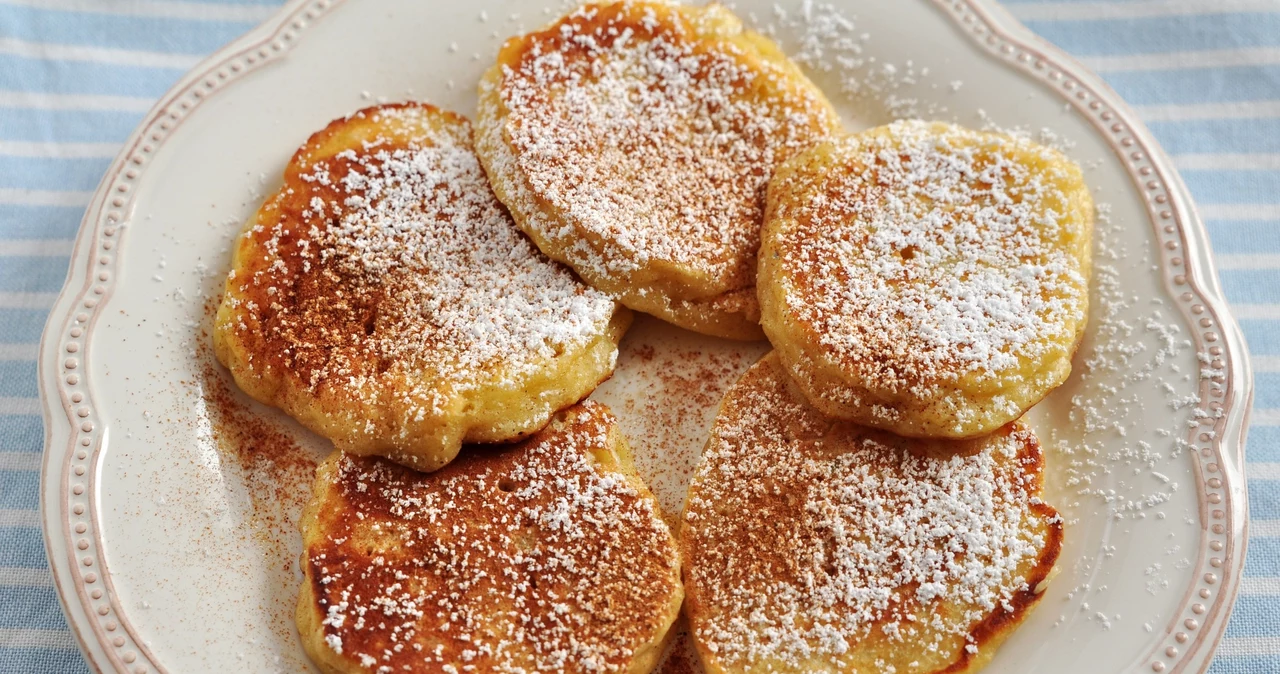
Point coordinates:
pixel 547 556
pixel 814 545
pixel 633 141
pixel 927 279
pixel 384 298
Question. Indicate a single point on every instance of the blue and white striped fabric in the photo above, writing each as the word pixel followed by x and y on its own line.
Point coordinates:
pixel 76 76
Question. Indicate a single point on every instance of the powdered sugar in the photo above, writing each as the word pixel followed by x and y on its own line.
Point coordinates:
pixel 533 559
pixel 400 260
pixel 880 534
pixel 926 254
pixel 651 138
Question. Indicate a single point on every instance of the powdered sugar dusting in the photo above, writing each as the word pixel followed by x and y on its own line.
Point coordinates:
pixel 925 254
pixel 651 139
pixel 398 261
pixel 533 559
pixel 889 546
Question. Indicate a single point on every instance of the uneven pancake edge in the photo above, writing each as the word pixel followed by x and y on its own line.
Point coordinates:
pixel 927 279
pixel 681 242
pixel 384 298
pixel 551 554
pixel 745 621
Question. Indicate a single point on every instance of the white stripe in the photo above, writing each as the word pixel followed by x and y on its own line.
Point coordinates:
pixel 1257 312
pixel 18 148
pixel 27 300
pixel 10 195
pixel 203 11
pixel 1247 260
pixel 1237 647
pixel 36 247
pixel 1239 211
pixel 1266 416
pixel 1265 363
pixel 23 638
pixel 1262 471
pixel 17 576
pixel 41 101
pixel 1264 529
pixel 1262 586
pixel 24 461
pixel 20 300
pixel 19 518
pixel 18 351
pixel 11 405
pixel 120 57
pixel 1209 58
pixel 1228 162
pixel 1236 110
pixel 1057 11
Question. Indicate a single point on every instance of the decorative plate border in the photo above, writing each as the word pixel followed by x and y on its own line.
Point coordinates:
pixel 69 475
pixel 1195 632
pixel 69 505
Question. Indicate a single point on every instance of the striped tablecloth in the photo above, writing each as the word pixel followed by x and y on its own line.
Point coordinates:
pixel 76 76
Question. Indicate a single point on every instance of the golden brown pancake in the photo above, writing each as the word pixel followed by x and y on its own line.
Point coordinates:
pixel 815 545
pixel 633 141
pixel 927 279
pixel 547 556
pixel 384 298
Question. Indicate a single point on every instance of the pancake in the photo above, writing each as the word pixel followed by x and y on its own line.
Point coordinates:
pixel 815 545
pixel 550 555
pixel 927 279
pixel 633 141
pixel 384 298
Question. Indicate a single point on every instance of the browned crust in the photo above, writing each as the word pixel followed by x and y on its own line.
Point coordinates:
pixel 732 311
pixel 989 633
pixel 304 328
pixel 997 627
pixel 347 527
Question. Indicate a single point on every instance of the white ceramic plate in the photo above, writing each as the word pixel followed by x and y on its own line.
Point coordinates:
pixel 169 500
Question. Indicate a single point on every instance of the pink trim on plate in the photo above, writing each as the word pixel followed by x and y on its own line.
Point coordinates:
pixel 1196 631
pixel 69 512
pixel 116 646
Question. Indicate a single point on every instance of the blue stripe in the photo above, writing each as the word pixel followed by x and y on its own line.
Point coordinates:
pixel 39 222
pixel 117 31
pixel 1267 389
pixel 69 126
pixel 1219 135
pixel 62 661
pixel 1160 34
pixel 1263 336
pixel 1254 617
pixel 76 77
pixel 32 608
pixel 1233 187
pixel 1197 85
pixel 1263 444
pixel 18 378
pixel 22 547
pixel 46 275
pixel 42 173
pixel 1249 664
pixel 21 326
pixel 21 432
pixel 1263 557
pixel 19 490
pixel 1244 236
pixel 1250 286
